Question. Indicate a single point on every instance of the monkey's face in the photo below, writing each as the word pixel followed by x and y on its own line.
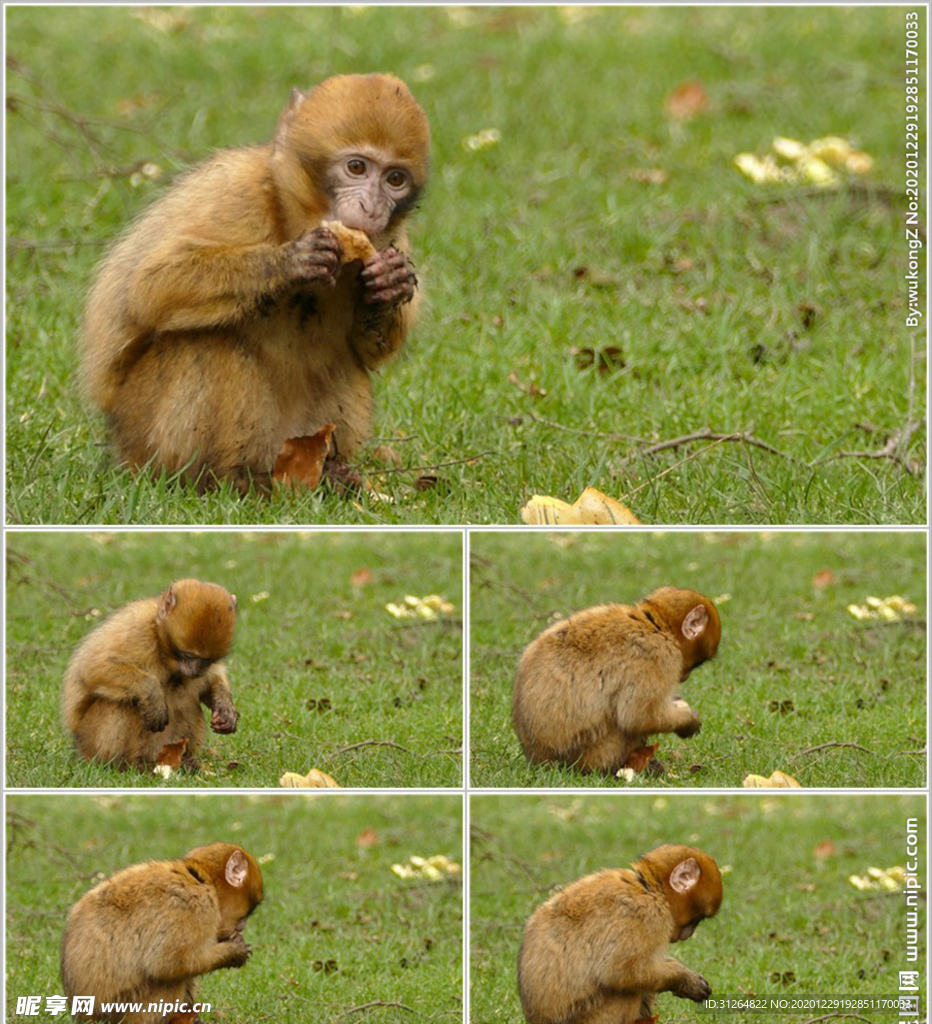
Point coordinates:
pixel 196 624
pixel 369 189
pixel 691 882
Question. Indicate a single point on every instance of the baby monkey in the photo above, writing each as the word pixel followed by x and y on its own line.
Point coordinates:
pixel 591 689
pixel 147 933
pixel 136 684
pixel 596 952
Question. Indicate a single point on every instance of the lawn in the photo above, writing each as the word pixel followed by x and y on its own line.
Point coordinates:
pixel 791 923
pixel 798 683
pixel 323 676
pixel 337 928
pixel 602 280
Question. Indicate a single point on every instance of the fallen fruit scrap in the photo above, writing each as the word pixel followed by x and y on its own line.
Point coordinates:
pixel 433 869
pixel 591 508
pixel 817 163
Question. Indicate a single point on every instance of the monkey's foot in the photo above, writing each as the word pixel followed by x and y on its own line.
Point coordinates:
pixel 190 763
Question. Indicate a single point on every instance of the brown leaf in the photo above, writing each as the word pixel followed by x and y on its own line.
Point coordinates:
pixel 172 753
pixel 686 101
pixel 824 850
pixel 597 278
pixel 426 482
pixel 640 758
pixel 823 578
pixel 368 837
pixel 649 176
pixel 362 577
pixel 301 459
pixel 387 456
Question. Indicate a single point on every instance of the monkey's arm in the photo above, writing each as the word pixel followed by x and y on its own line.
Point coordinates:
pixel 644 703
pixel 124 683
pixel 198 954
pixel 663 974
pixel 218 696
pixel 388 308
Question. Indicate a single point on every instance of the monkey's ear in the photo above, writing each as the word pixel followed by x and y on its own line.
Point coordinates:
pixel 233 602
pixel 167 601
pixel 695 622
pixel 287 117
pixel 237 869
pixel 685 875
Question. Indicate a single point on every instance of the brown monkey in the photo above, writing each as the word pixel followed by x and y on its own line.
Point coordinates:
pixel 148 932
pixel 592 688
pixel 595 953
pixel 137 682
pixel 224 323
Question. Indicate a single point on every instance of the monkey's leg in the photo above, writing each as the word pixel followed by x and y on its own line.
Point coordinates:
pixel 608 753
pixel 617 1008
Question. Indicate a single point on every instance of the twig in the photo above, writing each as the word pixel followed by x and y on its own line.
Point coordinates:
pixel 428 469
pixel 707 435
pixel 369 1006
pixel 834 743
pixel 897 441
pixel 372 743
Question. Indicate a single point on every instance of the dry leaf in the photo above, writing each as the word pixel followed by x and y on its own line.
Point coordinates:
pixel 356 244
pixel 686 101
pixel 315 779
pixel 779 780
pixel 362 577
pixel 301 459
pixel 184 1018
pixel 528 389
pixel 640 758
pixel 592 508
pixel 172 753
pixel 823 578
pixel 606 360
pixel 368 837
pixel 824 850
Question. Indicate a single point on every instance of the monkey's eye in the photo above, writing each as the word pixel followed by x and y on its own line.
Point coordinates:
pixel 356 166
pixel 397 179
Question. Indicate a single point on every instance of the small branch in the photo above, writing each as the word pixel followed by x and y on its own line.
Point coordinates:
pixel 369 1006
pixel 582 430
pixel 834 743
pixel 896 442
pixel 372 743
pixel 428 469
pixel 707 435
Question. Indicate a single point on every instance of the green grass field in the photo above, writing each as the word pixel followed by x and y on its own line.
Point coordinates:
pixel 798 683
pixel 337 929
pixel 598 221
pixel 790 924
pixel 323 676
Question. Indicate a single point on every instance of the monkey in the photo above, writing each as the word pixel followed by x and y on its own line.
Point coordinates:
pixel 591 688
pixel 148 932
pixel 136 683
pixel 227 319
pixel 595 953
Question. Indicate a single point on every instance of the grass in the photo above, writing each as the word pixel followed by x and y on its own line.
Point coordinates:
pixel 798 684
pixel 322 675
pixel 337 928
pixel 596 221
pixel 790 924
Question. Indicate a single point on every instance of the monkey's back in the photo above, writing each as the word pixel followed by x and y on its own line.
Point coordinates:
pixel 141 917
pixel 584 939
pixel 575 680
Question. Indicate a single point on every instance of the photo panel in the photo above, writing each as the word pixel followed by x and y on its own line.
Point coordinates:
pixel 795 906
pixel 361 905
pixel 340 665
pixel 688 659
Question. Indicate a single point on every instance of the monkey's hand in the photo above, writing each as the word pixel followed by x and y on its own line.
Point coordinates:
pixel 314 258
pixel 154 716
pixel 691 724
pixel 693 986
pixel 223 718
pixel 235 951
pixel 388 279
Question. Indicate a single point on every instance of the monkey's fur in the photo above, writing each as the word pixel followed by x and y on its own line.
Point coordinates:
pixel 595 953
pixel 137 682
pixel 149 931
pixel 222 323
pixel 592 688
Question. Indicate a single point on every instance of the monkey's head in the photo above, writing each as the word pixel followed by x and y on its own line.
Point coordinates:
pixel 691 618
pixel 195 622
pixel 354 149
pixel 691 883
pixel 237 879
